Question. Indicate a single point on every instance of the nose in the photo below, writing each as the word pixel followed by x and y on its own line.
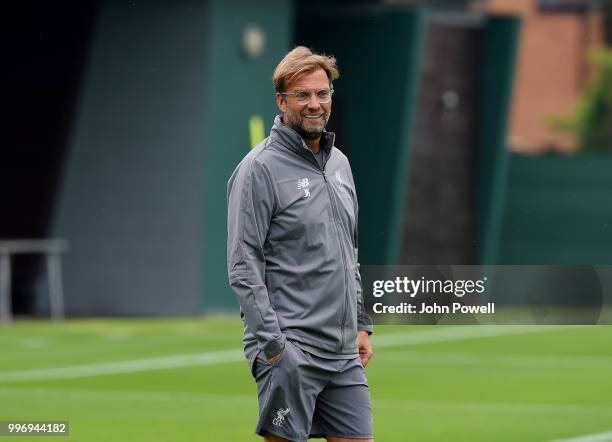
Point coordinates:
pixel 313 102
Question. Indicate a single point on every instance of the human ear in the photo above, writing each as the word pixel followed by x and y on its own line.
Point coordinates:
pixel 280 102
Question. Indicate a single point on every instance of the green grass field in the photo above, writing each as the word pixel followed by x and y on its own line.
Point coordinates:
pixel 185 380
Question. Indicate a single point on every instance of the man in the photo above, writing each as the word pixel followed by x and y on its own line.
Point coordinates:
pixel 292 262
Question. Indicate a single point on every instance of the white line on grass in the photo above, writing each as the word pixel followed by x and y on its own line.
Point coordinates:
pixel 131 366
pixel 516 360
pixel 455 333
pixel 599 437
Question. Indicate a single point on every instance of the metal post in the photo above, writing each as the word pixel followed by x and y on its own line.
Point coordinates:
pixel 56 294
pixel 6 308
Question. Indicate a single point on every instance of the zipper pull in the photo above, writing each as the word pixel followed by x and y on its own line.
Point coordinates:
pixel 324 176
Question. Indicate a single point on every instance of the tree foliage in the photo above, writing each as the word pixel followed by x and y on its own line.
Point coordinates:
pixel 591 118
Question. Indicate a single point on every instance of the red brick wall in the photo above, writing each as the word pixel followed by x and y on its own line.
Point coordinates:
pixel 551 71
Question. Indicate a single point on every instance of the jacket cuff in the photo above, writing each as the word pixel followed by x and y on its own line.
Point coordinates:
pixel 274 347
pixel 366 328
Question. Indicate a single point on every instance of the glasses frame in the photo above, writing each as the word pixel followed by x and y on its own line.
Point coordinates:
pixel 310 93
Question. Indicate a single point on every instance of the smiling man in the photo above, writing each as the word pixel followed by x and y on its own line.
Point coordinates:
pixel 292 262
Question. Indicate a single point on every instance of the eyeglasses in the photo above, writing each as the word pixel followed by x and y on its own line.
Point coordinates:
pixel 303 97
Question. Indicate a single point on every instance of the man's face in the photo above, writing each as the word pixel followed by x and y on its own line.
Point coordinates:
pixel 308 119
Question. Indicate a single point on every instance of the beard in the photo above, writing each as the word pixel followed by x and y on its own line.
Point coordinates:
pixel 298 123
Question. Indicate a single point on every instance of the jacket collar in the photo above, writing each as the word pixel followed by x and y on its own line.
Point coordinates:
pixel 293 141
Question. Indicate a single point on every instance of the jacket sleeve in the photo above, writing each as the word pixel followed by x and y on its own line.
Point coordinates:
pixel 364 322
pixel 251 204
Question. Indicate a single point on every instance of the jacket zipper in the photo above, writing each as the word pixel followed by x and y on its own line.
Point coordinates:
pixel 334 211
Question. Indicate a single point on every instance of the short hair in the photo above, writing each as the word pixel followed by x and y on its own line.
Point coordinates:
pixel 299 62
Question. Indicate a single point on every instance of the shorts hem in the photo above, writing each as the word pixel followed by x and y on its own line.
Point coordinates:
pixel 346 436
pixel 262 432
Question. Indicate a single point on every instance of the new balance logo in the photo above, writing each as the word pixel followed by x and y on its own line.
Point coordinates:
pixel 280 417
pixel 304 184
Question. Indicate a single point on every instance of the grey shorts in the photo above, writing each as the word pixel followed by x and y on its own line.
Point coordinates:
pixel 302 395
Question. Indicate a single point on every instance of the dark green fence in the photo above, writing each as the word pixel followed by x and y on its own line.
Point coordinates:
pixel 238 87
pixel 557 210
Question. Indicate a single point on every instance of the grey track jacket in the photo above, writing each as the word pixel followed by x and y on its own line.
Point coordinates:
pixel 292 247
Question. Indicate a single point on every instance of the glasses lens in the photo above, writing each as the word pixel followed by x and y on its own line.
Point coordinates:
pixel 323 96
pixel 302 96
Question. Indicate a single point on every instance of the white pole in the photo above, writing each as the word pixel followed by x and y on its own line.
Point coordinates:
pixel 5 287
pixel 56 293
